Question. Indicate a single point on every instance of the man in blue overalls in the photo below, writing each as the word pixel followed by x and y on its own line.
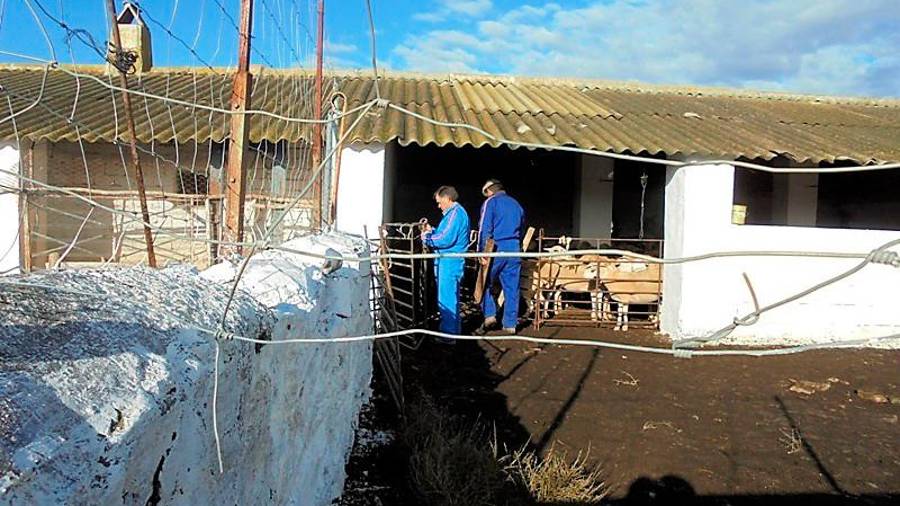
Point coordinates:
pixel 502 220
pixel 451 236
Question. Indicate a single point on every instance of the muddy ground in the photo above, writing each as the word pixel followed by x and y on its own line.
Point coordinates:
pixel 727 430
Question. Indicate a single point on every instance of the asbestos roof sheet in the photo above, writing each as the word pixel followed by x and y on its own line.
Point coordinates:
pixel 622 118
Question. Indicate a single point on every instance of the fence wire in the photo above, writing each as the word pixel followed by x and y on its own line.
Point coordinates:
pixel 281 179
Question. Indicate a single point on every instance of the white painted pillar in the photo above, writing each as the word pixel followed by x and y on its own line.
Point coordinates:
pixel 697 220
pixel 9 210
pixel 360 198
pixel 594 206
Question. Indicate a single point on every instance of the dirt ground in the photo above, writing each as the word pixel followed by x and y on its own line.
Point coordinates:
pixel 727 430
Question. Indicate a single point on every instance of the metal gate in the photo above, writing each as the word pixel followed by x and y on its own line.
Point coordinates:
pixel 401 298
pixel 410 280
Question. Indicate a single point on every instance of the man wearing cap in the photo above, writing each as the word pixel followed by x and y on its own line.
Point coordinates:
pixel 502 219
pixel 451 236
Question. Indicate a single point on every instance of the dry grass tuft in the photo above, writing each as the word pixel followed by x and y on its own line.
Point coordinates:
pixel 791 441
pixel 453 463
pixel 555 479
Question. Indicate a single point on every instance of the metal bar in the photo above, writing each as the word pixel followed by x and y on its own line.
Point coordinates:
pixel 404 292
pixel 129 119
pixel 403 304
pixel 317 101
pixel 401 278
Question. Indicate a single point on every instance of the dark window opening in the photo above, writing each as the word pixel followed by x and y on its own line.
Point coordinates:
pixel 853 200
pixel 866 200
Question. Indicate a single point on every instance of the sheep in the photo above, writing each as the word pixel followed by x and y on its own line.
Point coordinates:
pixel 574 277
pixel 538 277
pixel 627 283
pixel 557 276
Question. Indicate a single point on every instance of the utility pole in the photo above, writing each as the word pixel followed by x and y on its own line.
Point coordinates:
pixel 235 174
pixel 118 61
pixel 317 106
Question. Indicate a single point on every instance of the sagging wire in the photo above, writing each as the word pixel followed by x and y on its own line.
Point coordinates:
pixel 145 13
pixel 229 112
pixel 34 104
pixel 264 241
pixel 374 52
pixel 236 27
pixel 643 159
pixel 880 255
pixel 876 256
pixel 220 335
pixel 281 33
pixel 886 257
pixel 43 30
pixel 68 250
pixel 384 103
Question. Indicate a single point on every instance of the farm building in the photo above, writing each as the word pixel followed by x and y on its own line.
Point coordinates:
pixel 65 130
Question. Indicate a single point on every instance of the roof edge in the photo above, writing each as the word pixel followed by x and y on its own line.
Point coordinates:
pixel 633 86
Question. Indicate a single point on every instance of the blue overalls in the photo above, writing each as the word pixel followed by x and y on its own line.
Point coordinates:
pixel 502 218
pixel 451 236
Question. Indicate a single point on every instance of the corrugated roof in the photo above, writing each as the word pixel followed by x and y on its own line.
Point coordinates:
pixel 618 117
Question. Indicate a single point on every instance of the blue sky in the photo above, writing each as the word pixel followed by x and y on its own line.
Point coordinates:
pixel 847 47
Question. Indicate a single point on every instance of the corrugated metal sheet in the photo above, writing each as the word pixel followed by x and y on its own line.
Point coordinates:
pixel 619 118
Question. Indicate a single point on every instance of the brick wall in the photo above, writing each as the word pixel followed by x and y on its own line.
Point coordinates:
pixel 105 235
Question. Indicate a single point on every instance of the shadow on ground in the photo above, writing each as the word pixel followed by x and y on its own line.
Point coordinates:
pixel 674 431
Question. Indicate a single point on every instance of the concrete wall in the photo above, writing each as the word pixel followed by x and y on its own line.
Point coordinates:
pixel 594 200
pixel 113 407
pixel 9 210
pixel 361 189
pixel 702 297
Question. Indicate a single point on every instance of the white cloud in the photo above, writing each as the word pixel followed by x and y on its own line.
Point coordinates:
pixel 447 10
pixel 818 46
pixel 468 7
pixel 339 48
pixel 444 50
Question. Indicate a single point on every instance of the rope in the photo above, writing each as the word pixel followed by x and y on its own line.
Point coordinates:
pixel 880 256
pixel 881 253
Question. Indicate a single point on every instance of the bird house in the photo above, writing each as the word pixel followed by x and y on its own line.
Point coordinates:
pixel 135 37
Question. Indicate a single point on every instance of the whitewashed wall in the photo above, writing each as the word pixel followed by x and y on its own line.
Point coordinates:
pixel 120 414
pixel 361 189
pixel 702 297
pixel 9 210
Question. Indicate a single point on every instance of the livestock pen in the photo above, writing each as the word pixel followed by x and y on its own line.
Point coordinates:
pixel 583 289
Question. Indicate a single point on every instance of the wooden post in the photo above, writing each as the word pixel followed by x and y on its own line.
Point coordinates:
pixel 129 120
pixel 235 173
pixel 483 272
pixel 26 169
pixel 317 113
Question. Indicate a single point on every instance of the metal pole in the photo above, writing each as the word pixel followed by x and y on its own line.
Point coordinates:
pixel 129 120
pixel 235 175
pixel 317 104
